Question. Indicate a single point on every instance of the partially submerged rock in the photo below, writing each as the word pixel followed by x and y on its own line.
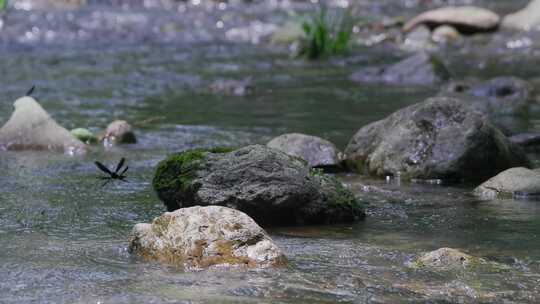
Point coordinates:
pixel 30 127
pixel 269 185
pixel 506 95
pixel 526 19
pixel 318 152
pixel 419 69
pixel 118 132
pixel 450 259
pixel 466 19
pixel 232 87
pixel 526 140
pixel 440 138
pixel 446 258
pixel 520 182
pixel 201 237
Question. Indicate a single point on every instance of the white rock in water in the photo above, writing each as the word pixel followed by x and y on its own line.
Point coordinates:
pixel 517 180
pixel 30 127
pixel 466 19
pixel 200 237
pixel 526 19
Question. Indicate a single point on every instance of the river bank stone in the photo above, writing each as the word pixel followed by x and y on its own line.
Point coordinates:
pixel 201 237
pixel 440 138
pixel 514 181
pixel 270 186
pixel 419 69
pixel 466 19
pixel 318 152
pixel 525 19
pixel 30 127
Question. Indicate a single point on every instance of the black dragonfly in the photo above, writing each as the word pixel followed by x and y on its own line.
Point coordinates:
pixel 113 174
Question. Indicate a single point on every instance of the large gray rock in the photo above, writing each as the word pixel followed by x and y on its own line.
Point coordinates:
pixel 269 185
pixel 200 237
pixel 466 19
pixel 519 181
pixel 419 69
pixel 30 127
pixel 440 138
pixel 316 151
pixel 526 19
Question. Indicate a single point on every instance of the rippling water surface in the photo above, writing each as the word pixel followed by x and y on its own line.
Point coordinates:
pixel 63 238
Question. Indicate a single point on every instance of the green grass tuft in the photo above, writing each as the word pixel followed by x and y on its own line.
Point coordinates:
pixel 327 34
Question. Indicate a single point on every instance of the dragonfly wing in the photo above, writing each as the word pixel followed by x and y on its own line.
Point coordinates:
pixel 125 170
pixel 120 164
pixel 102 167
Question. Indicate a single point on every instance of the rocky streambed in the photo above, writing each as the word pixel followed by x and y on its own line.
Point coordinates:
pixel 390 221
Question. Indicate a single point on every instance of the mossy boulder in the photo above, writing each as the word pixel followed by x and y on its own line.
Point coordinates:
pixel 440 138
pixel 201 237
pixel 270 186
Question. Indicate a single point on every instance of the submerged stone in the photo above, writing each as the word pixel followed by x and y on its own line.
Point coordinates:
pixel 446 258
pixel 30 127
pixel 201 237
pixel 419 69
pixel 316 151
pixel 270 186
pixel 440 138
pixel 514 181
pixel 466 19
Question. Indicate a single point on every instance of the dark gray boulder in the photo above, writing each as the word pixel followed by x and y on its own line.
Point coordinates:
pixel 270 186
pixel 419 69
pixel 440 138
pixel 318 152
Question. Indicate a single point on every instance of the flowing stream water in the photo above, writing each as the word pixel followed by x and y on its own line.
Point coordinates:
pixel 63 238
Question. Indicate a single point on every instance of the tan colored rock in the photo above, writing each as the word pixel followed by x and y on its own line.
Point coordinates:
pixel 466 19
pixel 517 180
pixel 118 132
pixel 526 19
pixel 446 258
pixel 201 237
pixel 30 127
pixel 445 34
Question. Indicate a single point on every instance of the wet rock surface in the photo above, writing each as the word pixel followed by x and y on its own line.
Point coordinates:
pixel 419 69
pixel 466 19
pixel 525 19
pixel 202 237
pixel 316 151
pixel 269 185
pixel 526 140
pixel 440 138
pixel 118 132
pixel 30 127
pixel 447 258
pixel 515 182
